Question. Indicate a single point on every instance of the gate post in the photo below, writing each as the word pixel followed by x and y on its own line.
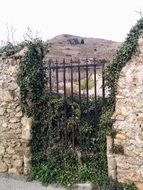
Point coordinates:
pixel 26 137
pixel 112 165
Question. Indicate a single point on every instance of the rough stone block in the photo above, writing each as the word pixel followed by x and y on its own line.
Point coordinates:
pixel 112 173
pixel 8 135
pixel 14 125
pixel 10 150
pixel 2 110
pixel 18 109
pixel 5 96
pixel 26 128
pixel 120 117
pixel 120 136
pixel 5 125
pixel 2 150
pixel 129 175
pixel 14 120
pixel 140 137
pixel 19 114
pixel 12 86
pixel 139 186
pixel 27 165
pixel 3 167
pixel 18 163
pixel 83 186
pixel 13 171
pixel 111 163
pixel 109 145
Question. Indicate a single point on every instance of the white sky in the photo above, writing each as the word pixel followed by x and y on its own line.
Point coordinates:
pixel 109 19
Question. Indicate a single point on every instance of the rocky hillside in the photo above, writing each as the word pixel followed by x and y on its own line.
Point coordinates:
pixel 69 46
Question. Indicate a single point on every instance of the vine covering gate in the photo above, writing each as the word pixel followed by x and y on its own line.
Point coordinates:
pixel 81 87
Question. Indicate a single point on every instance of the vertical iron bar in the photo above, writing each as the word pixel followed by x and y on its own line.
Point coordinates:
pixel 50 79
pixel 57 76
pixel 95 80
pixel 79 93
pixel 95 94
pixel 103 82
pixel 64 77
pixel 87 87
pixel 87 96
pixel 57 85
pixel 73 136
pixel 73 128
pixel 71 80
pixel 79 83
pixel 65 104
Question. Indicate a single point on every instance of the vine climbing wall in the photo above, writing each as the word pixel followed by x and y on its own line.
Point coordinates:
pixel 127 148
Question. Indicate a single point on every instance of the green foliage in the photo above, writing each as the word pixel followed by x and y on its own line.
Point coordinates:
pixel 127 49
pixel 110 184
pixel 31 76
pixel 9 48
pixel 56 151
pixel 84 85
pixel 123 55
pixel 58 156
pixel 55 161
pixel 59 168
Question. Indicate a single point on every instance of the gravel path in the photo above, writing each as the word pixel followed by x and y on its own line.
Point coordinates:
pixel 19 183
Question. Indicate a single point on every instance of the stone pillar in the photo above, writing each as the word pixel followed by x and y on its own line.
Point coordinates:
pixel 26 137
pixel 112 166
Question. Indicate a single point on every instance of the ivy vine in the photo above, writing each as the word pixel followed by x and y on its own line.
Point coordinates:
pixel 123 55
pixel 53 160
pixel 31 77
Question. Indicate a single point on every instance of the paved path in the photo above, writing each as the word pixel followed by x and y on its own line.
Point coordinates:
pixel 19 183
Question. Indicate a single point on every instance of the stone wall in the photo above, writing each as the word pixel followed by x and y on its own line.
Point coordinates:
pixel 14 150
pixel 125 154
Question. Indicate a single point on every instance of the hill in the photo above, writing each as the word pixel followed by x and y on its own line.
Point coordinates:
pixel 70 46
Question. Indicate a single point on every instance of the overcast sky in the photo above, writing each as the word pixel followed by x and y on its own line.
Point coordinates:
pixel 108 19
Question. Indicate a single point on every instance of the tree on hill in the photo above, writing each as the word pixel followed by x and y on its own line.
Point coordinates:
pixel 82 41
